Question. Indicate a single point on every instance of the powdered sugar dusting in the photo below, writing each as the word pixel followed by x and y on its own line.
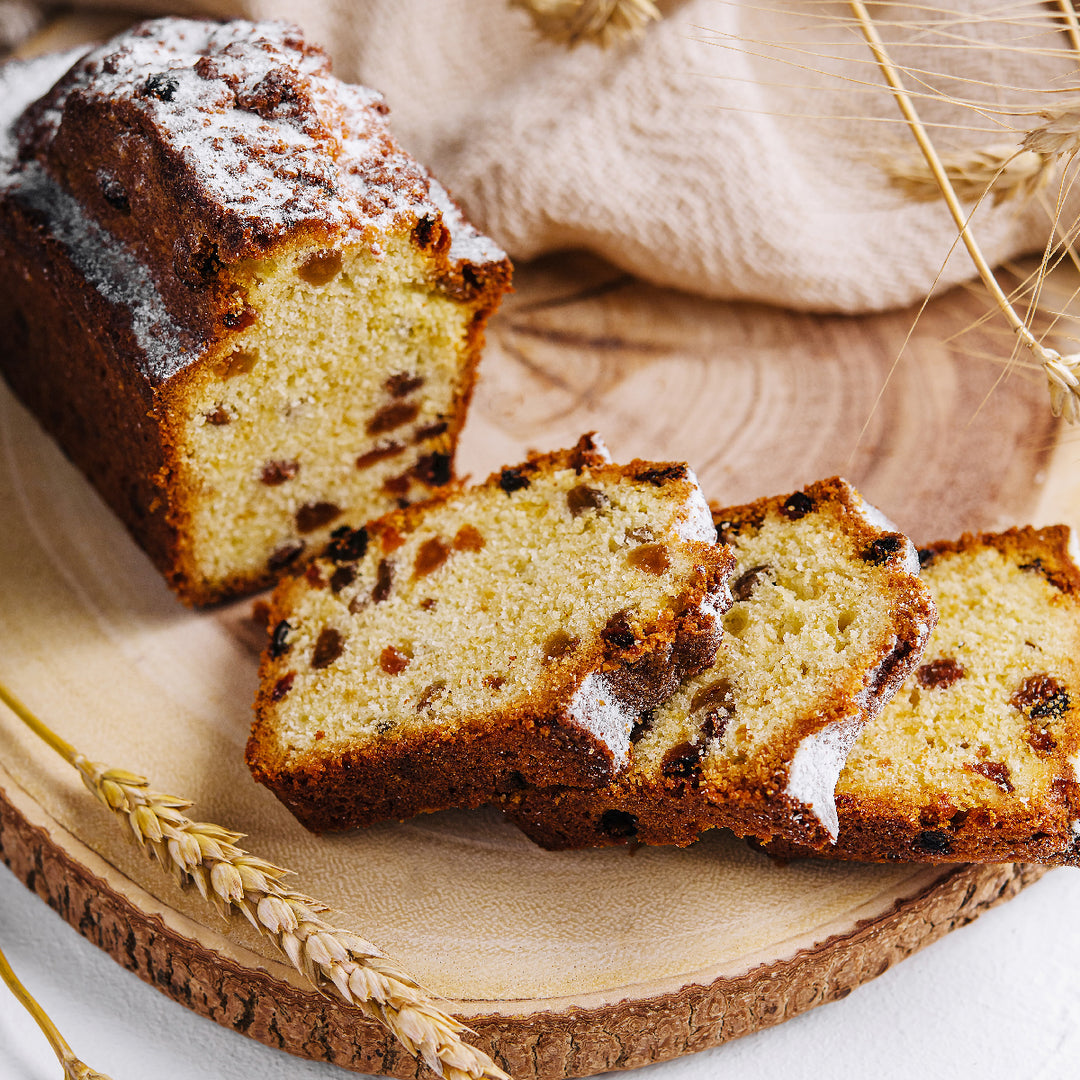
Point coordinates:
pixel 163 347
pixel 467 244
pixel 267 138
pixel 21 82
pixel 597 708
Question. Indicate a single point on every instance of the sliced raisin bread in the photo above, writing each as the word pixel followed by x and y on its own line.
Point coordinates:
pixel 506 634
pixel 829 617
pixel 243 311
pixel 975 758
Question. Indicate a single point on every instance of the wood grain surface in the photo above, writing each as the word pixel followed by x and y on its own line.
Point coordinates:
pixel 566 963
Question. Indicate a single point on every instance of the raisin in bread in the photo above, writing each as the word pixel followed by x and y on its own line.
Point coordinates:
pixel 829 617
pixel 975 758
pixel 504 634
pixel 241 309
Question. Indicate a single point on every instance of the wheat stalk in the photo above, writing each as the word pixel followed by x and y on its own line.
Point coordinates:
pixel 605 22
pixel 74 1069
pixel 1061 372
pixel 209 857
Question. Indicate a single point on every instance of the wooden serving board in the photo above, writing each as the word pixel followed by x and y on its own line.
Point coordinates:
pixel 568 963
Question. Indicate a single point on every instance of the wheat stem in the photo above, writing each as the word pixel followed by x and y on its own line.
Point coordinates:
pixel 333 960
pixel 1072 24
pixel 1061 372
pixel 74 1069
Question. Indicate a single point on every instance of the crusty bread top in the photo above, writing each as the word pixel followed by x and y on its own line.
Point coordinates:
pixel 258 134
pixel 182 147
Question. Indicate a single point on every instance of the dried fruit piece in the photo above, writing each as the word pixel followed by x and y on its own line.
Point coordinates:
pixel 939 674
pixel 219 417
pixel 114 193
pixel 717 704
pixel 652 558
pixel 1041 696
pixel 659 477
pixel 749 580
pixel 683 762
pixel 384 580
pixel 934 842
pixel 997 771
pixel 468 538
pixel 241 318
pixel 328 647
pixel 393 416
pixel 284 555
pixel 429 431
pixel 511 480
pixel 397 485
pixel 797 506
pixel 312 516
pixel 430 556
pixel 379 453
pixel 279 640
pixel 642 727
pixel 433 469
pixel 161 85
pixel 494 682
pixel 277 472
pixel 393 661
pixel 283 686
pixel 582 498
pixel 403 384
pixel 342 578
pixel 240 362
pixel 618 633
pixel 321 268
pixel 883 549
pixel 431 692
pixel 346 544
pixel 559 644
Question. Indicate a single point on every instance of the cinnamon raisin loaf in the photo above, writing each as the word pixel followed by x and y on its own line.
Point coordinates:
pixel 829 617
pixel 975 758
pixel 242 310
pixel 496 636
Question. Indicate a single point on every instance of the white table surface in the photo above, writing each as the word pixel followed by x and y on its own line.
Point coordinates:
pixel 999 998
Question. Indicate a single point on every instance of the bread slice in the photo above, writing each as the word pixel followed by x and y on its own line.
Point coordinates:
pixel 243 311
pixel 501 635
pixel 829 617
pixel 976 758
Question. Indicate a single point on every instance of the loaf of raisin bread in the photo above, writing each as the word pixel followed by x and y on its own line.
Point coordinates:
pixel 829 618
pixel 496 636
pixel 240 308
pixel 975 758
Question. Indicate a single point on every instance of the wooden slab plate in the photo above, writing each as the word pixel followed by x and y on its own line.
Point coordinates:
pixel 566 963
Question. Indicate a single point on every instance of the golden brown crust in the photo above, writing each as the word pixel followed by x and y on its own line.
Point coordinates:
pixel 753 796
pixel 1035 825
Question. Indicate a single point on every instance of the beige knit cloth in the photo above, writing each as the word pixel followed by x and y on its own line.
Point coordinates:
pixel 686 158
